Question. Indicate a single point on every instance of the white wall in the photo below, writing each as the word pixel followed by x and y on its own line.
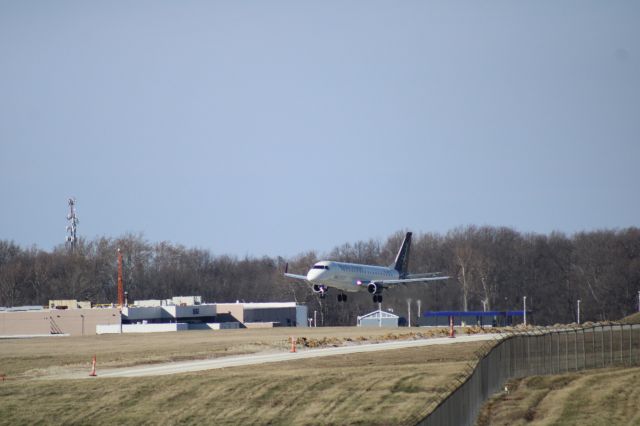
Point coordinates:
pixel 141 328
pixel 302 313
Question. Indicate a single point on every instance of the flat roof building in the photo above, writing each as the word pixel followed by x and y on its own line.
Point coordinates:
pixel 78 319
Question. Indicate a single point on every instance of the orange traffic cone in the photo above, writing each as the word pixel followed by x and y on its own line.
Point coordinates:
pixel 293 344
pixel 93 367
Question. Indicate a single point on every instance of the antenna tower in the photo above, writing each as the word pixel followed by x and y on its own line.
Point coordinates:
pixel 72 227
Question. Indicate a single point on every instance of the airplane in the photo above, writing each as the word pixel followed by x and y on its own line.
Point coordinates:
pixel 351 277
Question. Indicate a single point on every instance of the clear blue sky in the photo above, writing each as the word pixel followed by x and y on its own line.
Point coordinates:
pixel 277 127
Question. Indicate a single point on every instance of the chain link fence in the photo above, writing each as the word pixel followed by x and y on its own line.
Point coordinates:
pixel 536 351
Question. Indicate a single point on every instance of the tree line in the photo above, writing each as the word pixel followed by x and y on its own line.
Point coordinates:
pixel 491 268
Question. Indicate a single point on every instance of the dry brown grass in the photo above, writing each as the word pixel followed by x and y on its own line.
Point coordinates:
pixel 387 387
pixel 631 319
pixel 592 397
pixel 32 357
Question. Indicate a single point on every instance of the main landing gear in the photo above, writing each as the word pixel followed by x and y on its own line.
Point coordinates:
pixel 377 298
pixel 342 297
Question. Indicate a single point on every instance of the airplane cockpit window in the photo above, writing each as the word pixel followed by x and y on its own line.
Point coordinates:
pixel 320 267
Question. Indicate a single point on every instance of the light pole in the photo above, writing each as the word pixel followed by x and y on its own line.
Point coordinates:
pixel 524 299
pixel 409 312
pixel 419 311
pixel 578 311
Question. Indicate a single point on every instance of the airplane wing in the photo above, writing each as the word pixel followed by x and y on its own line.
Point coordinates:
pixel 297 277
pixel 410 280
pixel 424 275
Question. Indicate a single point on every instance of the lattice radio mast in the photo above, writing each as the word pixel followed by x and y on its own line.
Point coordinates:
pixel 72 227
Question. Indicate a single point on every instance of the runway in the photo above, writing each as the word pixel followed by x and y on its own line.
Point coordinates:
pixel 237 361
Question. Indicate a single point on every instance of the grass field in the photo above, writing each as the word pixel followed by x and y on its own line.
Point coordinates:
pixel 388 387
pixel 38 356
pixel 592 397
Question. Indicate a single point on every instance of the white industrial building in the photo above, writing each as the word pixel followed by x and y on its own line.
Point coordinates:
pixel 378 318
pixel 144 316
pixel 189 313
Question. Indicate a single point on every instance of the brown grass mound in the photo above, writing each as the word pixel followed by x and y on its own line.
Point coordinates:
pixel 595 397
pixel 631 319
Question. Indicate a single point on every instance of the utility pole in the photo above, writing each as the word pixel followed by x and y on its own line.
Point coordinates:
pixel 419 311
pixel 524 299
pixel 409 312
pixel 72 227
pixel 120 285
pixel 578 311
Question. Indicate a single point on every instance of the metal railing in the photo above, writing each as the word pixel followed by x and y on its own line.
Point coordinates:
pixel 536 351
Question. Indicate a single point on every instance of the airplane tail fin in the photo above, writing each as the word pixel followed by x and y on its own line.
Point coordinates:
pixel 402 259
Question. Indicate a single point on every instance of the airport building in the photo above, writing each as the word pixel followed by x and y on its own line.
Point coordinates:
pixel 378 318
pixel 38 321
pixel 69 317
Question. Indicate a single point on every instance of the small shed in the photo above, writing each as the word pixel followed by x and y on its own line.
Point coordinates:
pixel 378 318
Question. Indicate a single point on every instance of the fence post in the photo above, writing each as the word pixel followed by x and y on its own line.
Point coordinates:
pixel 558 344
pixel 602 342
pixel 544 353
pixel 610 344
pixel 584 352
pixel 593 335
pixel 528 355
pixel 630 336
pixel 575 346
pixel 621 338
pixel 566 350
pixel 550 351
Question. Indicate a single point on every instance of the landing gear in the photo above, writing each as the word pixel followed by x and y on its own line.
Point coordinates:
pixel 342 297
pixel 377 298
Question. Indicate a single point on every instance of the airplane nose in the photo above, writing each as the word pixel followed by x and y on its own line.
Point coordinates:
pixel 313 274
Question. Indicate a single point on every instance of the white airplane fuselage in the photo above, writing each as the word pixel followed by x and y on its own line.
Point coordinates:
pixel 348 277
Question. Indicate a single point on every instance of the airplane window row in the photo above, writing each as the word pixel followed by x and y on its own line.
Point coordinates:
pixel 362 270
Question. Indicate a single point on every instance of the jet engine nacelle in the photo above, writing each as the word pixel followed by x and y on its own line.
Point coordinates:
pixel 372 288
pixel 319 288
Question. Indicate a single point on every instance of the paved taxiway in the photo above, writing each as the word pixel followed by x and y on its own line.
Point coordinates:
pixel 236 361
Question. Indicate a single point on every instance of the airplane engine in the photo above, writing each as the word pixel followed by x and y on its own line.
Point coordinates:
pixel 372 288
pixel 319 288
